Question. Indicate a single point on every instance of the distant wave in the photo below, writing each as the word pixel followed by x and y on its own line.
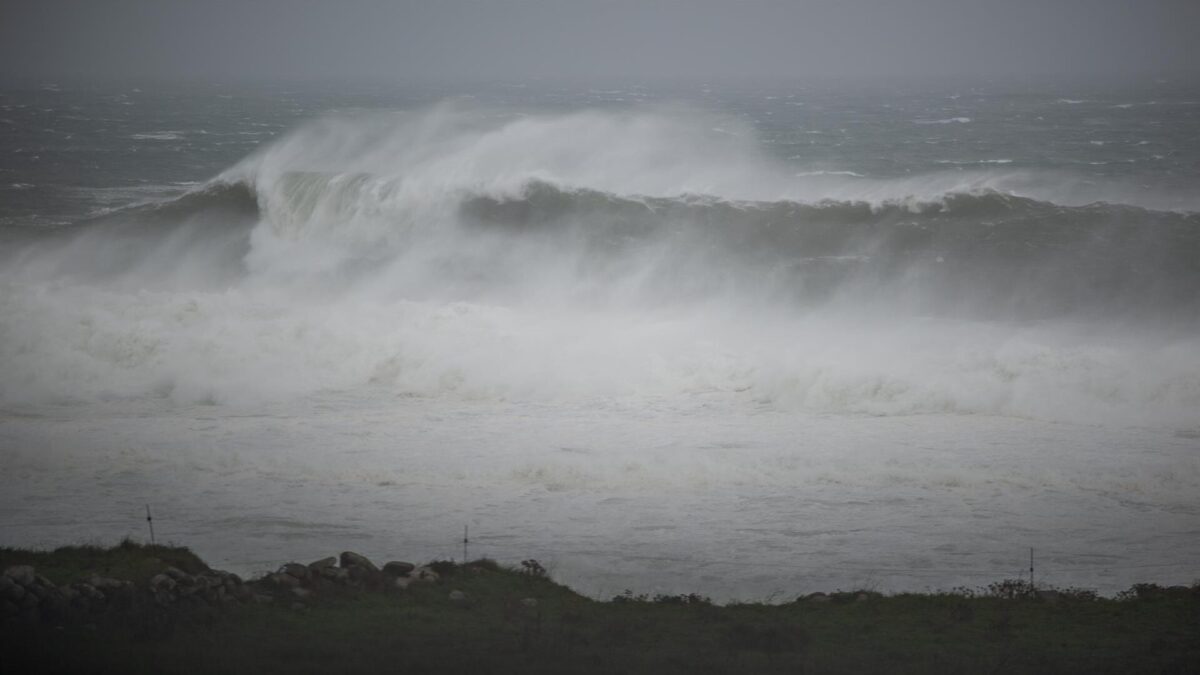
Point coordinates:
pixel 492 255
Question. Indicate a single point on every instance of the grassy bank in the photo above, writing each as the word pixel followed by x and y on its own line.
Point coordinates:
pixel 517 619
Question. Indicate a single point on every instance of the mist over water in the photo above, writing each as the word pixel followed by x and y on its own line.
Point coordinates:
pixel 673 297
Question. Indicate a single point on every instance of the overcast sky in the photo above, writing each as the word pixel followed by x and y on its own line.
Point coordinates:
pixel 436 39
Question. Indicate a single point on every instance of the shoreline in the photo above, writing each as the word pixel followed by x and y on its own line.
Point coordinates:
pixel 146 608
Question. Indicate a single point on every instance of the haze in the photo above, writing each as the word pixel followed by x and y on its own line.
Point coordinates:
pixel 373 39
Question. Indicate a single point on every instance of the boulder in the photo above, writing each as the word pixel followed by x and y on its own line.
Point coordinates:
pixel 351 559
pixel 425 574
pixel 398 568
pixel 335 574
pixel 177 574
pixel 282 580
pixel 39 591
pixel 302 593
pixel 817 597
pixel 162 582
pixel 106 584
pixel 301 572
pixel 323 563
pixel 11 590
pixel 402 583
pixel 459 599
pixel 22 574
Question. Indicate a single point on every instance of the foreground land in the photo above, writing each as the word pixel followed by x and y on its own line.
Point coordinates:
pixel 157 609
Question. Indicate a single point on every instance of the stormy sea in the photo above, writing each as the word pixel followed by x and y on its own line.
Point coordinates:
pixel 744 340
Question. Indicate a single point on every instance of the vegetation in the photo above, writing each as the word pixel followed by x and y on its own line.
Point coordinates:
pixel 1005 628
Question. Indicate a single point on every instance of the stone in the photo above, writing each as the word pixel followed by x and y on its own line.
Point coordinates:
pixel 302 593
pixel 323 563
pixel 88 591
pixel 397 568
pixel 335 574
pixel 105 584
pixel 817 597
pixel 177 574
pixel 459 599
pixel 352 559
pixel 301 572
pixel 44 581
pixel 39 591
pixel 402 583
pixel 425 574
pixel 30 601
pixel 531 603
pixel 22 574
pixel 162 582
pixel 283 580
pixel 11 590
pixel 862 597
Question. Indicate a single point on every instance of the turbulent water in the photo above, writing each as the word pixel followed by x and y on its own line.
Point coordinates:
pixel 747 341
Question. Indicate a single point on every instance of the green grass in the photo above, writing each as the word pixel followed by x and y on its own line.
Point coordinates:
pixel 420 630
pixel 128 560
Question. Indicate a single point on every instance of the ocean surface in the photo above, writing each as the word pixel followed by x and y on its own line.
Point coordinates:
pixel 750 341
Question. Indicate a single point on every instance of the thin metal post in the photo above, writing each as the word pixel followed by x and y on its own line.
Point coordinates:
pixel 150 522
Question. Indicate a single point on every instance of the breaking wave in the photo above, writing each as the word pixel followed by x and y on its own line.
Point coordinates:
pixel 491 254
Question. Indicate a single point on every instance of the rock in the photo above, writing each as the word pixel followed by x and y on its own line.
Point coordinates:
pixel 105 584
pixel 44 581
pixel 351 559
pixel 531 603
pixel 88 591
pixel 301 572
pixel 30 601
pixel 335 574
pixel 323 563
pixel 817 597
pixel 177 574
pixel 299 606
pixel 402 583
pixel 39 591
pixel 283 580
pixel 162 582
pixel 302 593
pixel 862 597
pixel 425 574
pixel 11 590
pixel 362 576
pixel 459 599
pixel 397 568
pixel 22 574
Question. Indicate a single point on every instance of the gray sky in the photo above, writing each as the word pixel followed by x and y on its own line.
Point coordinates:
pixel 374 39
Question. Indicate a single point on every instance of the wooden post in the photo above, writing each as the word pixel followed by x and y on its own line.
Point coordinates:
pixel 150 522
pixel 465 541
